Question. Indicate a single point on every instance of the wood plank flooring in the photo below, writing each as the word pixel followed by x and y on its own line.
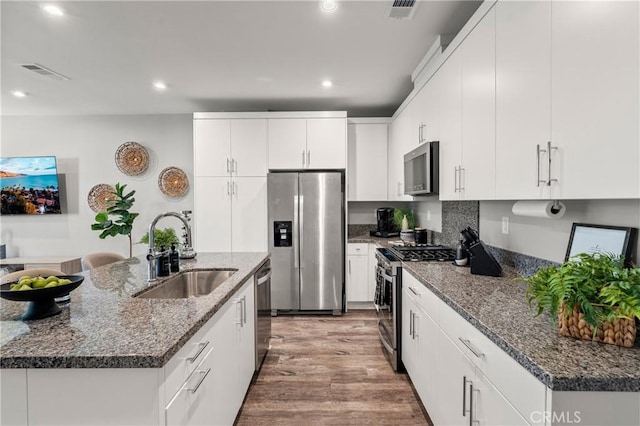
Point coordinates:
pixel 324 370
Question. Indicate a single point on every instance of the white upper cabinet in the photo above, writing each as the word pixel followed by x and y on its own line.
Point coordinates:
pixel 448 82
pixel 249 148
pixel 594 98
pixel 307 143
pixel 400 143
pixel 477 177
pixel 212 147
pixel 523 98
pixel 225 147
pixel 367 144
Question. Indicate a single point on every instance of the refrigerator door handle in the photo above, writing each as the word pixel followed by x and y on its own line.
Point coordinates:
pixel 296 255
pixel 301 223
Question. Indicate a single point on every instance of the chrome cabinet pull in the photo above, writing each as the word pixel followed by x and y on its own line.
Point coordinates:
pixel 463 176
pixel 233 188
pixel 228 168
pixel 204 376
pixel 239 302
pixel 472 348
pixel 549 149
pixel 244 308
pixel 410 322
pixel 414 292
pixel 202 346
pixel 303 162
pixel 415 334
pixel 538 151
pixel 228 188
pixel 234 165
pixel 464 396
pixel 349 266
pixel 470 403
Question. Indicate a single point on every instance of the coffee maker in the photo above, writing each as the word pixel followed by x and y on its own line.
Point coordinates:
pixel 386 225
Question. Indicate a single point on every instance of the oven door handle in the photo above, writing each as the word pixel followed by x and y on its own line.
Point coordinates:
pixel 383 341
pixel 383 274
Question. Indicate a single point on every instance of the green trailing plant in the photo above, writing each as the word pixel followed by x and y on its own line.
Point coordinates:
pixel 162 237
pixel 398 214
pixel 117 219
pixel 598 284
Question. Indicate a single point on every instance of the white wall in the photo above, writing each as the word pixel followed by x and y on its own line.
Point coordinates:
pixel 548 238
pixel 428 212
pixel 85 149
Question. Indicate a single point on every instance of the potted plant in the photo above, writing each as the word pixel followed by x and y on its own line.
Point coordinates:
pixel 117 219
pixel 162 237
pixel 591 297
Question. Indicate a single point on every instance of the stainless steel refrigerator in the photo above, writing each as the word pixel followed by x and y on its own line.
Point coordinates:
pixel 306 241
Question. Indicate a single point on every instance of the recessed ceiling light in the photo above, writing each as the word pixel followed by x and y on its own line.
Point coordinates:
pixel 18 93
pixel 328 5
pixel 327 83
pixel 53 10
pixel 159 85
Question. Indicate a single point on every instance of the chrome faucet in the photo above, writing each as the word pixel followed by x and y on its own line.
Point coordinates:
pixel 187 251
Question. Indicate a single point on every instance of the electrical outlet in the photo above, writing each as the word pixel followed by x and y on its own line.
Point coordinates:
pixel 505 225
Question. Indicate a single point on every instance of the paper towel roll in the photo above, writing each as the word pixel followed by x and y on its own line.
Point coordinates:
pixel 539 209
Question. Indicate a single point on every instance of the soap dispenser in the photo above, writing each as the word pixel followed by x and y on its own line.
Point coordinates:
pixel 174 259
pixel 162 263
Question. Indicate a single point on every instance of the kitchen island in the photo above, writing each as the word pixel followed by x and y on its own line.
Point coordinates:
pixel 109 352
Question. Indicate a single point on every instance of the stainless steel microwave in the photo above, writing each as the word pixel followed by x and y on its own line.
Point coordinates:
pixel 421 169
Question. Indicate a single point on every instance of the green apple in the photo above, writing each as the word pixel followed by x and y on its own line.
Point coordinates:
pixel 51 278
pixel 24 287
pixel 39 282
pixel 51 284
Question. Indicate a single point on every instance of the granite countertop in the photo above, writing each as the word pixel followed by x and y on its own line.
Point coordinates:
pixel 365 238
pixel 498 308
pixel 105 327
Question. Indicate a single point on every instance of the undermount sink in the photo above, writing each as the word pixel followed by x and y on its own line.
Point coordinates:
pixel 189 283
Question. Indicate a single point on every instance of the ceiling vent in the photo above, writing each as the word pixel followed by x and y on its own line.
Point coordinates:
pixel 402 9
pixel 37 68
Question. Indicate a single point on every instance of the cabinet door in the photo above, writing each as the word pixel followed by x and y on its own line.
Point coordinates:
pixel 490 407
pixel 245 340
pixel 357 285
pixel 478 111
pixel 248 219
pixel 326 143
pixel 453 373
pixel 398 146
pixel 523 97
pixel 448 81
pixel 287 143
pixel 594 98
pixel 212 147
pixel 13 386
pixel 212 200
pixel 371 270
pixel 431 114
pixel 367 162
pixel 249 147
pixel 409 348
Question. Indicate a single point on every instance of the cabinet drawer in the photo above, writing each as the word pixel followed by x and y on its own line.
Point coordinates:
pixel 185 361
pixel 423 297
pixel 520 388
pixel 357 249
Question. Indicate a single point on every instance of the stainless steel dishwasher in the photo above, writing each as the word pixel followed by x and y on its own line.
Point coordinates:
pixel 263 311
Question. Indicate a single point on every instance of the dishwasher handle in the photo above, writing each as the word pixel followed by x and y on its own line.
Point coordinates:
pixel 264 278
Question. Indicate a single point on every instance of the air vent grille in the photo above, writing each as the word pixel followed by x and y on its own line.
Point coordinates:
pixel 42 70
pixel 402 9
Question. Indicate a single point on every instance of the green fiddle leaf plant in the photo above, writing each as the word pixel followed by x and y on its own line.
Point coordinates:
pixel 597 284
pixel 117 219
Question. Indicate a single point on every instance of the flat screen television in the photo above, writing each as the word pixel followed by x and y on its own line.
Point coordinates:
pixel 29 185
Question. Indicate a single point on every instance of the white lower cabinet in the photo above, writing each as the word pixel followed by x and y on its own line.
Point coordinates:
pixel 205 382
pixel 460 377
pixel 357 273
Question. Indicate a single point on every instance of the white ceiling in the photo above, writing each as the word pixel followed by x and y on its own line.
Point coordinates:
pixel 217 55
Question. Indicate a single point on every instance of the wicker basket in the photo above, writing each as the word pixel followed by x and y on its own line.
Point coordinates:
pixel 621 332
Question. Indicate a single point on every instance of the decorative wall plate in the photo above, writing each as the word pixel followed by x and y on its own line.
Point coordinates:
pixel 173 182
pixel 98 196
pixel 132 158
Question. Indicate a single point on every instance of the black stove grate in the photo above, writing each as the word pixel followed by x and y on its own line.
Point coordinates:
pixel 424 254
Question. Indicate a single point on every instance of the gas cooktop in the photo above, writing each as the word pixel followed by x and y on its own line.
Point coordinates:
pixel 423 253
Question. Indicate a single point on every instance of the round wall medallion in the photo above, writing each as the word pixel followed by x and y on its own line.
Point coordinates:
pixel 173 182
pixel 132 158
pixel 99 196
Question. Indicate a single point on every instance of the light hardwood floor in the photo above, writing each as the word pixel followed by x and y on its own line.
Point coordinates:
pixel 324 370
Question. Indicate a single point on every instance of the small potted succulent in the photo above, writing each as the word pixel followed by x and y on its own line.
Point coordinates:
pixel 590 297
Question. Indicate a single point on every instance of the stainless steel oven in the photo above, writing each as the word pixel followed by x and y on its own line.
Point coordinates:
pixel 387 302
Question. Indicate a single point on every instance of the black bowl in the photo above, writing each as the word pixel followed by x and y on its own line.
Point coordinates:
pixel 42 304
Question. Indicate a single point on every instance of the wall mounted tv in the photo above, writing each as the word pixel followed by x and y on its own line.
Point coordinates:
pixel 29 185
